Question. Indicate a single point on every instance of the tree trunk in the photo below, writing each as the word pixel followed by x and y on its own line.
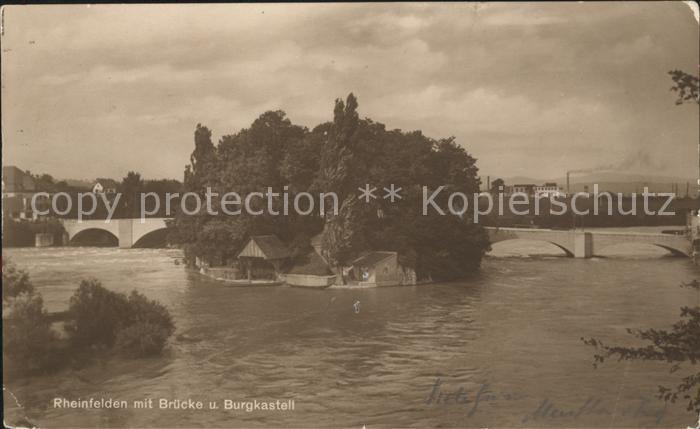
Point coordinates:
pixel 340 279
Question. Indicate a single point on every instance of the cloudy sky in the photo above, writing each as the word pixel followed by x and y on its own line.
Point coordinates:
pixel 528 89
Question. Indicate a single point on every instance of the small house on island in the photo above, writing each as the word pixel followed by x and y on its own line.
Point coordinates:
pixel 263 257
pixel 105 186
pixel 381 269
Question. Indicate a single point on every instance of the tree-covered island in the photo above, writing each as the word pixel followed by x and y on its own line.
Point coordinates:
pixel 340 157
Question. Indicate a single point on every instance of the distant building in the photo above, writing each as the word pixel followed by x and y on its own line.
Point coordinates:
pixel 507 190
pixel 18 189
pixel 548 190
pixel 528 189
pixel 105 186
pixel 14 180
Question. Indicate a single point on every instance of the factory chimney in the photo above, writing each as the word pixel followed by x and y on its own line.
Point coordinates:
pixel 567 182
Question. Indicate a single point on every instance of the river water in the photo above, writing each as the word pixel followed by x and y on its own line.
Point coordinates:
pixel 509 337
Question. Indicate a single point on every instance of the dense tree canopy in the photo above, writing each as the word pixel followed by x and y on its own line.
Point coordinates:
pixel 496 185
pixel 338 156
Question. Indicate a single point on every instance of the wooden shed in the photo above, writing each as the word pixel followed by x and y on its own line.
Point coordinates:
pixel 263 256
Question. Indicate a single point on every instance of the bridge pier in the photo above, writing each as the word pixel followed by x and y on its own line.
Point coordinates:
pixel 126 236
pixel 43 239
pixel 583 245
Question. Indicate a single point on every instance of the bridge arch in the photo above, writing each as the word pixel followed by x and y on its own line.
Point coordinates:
pixel 672 250
pixel 94 237
pixel 155 236
pixel 567 252
pixel 127 231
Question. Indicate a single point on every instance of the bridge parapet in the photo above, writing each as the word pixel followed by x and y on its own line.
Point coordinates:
pixel 127 231
pixel 585 244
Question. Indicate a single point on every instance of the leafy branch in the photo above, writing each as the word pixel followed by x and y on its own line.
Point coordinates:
pixel 680 344
pixel 686 85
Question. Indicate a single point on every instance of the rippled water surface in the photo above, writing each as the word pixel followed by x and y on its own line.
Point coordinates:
pixel 512 332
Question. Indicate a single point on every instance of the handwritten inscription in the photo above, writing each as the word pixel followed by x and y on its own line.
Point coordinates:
pixel 440 396
pixel 548 410
pixel 544 409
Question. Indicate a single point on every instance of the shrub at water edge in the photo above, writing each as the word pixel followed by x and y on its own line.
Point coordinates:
pixel 27 338
pixel 134 325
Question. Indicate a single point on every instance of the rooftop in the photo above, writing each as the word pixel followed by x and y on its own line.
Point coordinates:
pixel 15 179
pixel 372 258
pixel 311 264
pixel 107 183
pixel 271 247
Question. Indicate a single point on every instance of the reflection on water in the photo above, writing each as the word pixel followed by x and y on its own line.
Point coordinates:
pixel 511 332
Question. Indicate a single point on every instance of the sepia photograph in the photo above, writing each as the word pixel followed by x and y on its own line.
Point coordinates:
pixel 351 215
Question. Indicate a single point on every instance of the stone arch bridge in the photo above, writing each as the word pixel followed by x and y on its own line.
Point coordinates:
pixel 127 231
pixel 586 244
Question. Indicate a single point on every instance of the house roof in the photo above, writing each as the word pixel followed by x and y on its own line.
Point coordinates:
pixel 270 246
pixel 16 180
pixel 107 183
pixel 311 264
pixel 372 258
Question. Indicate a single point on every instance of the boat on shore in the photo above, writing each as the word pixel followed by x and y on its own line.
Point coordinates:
pixel 231 277
pixel 309 281
pixel 245 282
